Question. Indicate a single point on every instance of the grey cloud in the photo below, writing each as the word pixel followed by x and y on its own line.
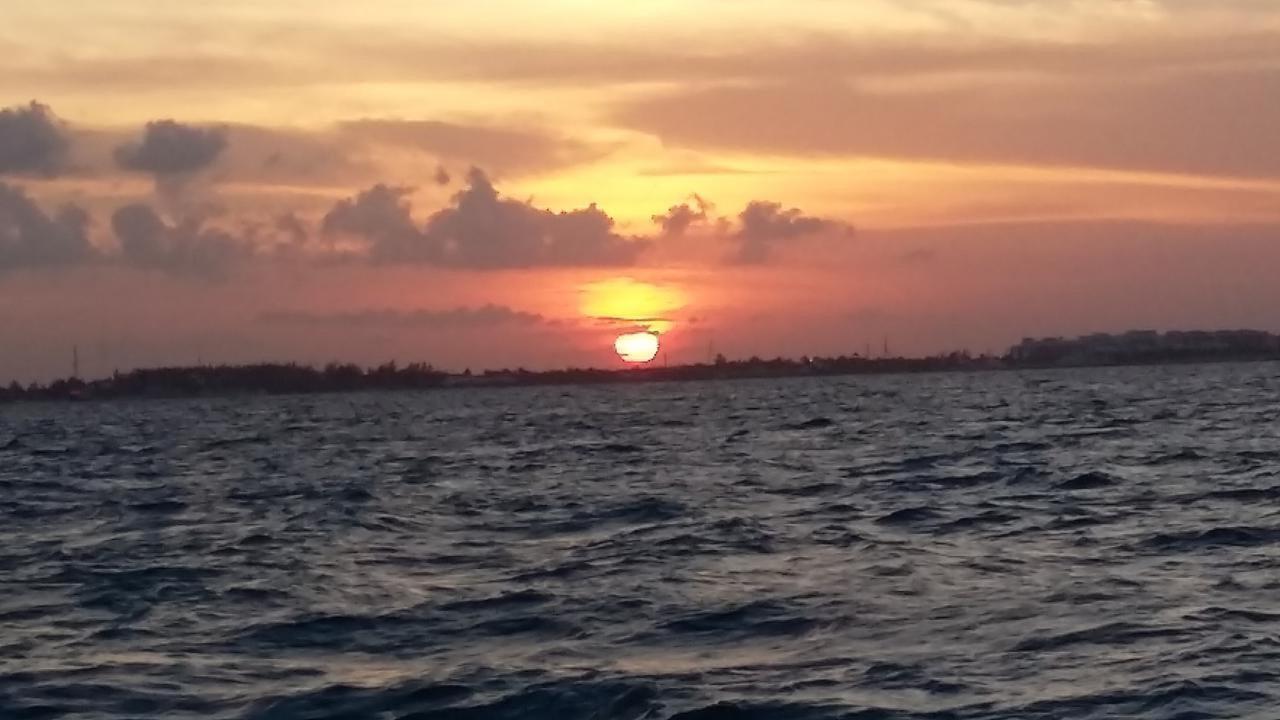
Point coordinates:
pixel 31 238
pixel 762 225
pixel 187 248
pixel 484 230
pixel 32 140
pixel 508 150
pixel 481 230
pixel 756 232
pixel 454 318
pixel 170 148
pixel 383 220
pixel 680 217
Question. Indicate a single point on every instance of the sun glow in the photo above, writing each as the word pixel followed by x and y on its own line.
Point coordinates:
pixel 638 347
pixel 629 301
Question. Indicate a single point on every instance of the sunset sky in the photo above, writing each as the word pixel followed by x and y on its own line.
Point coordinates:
pixel 499 184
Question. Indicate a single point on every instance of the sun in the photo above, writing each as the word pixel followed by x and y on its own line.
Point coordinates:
pixel 639 311
pixel 638 347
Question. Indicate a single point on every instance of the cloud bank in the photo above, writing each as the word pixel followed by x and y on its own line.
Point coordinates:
pixel 485 316
pixel 30 238
pixel 480 230
pixel 184 249
pixel 169 148
pixel 32 140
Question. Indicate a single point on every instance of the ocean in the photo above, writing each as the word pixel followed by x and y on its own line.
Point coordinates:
pixel 1095 543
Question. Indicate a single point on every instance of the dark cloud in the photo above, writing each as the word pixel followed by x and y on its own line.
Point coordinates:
pixel 762 225
pixel 170 148
pixel 678 219
pixel 188 248
pixel 31 238
pixel 484 230
pixel 382 219
pixel 32 140
pixel 507 150
pixel 481 230
pixel 454 318
pixel 442 176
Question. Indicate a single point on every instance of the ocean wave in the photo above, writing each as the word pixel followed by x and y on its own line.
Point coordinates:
pixel 989 547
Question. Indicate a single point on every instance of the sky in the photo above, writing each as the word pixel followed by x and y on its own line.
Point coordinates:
pixel 514 184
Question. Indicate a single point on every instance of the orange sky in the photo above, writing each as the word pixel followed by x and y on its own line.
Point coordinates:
pixel 748 176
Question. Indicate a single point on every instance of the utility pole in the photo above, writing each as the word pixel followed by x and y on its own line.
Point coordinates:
pixel 75 362
pixel 886 346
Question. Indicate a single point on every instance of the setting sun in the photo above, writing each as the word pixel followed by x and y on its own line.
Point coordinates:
pixel 638 347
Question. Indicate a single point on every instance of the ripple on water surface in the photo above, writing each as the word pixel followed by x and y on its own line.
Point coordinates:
pixel 1088 544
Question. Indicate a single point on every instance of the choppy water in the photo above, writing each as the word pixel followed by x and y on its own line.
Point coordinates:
pixel 1077 544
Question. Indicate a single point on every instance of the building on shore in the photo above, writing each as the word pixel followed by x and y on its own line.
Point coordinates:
pixel 1143 346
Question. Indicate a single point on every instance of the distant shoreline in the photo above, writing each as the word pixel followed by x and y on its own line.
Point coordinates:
pixel 233 381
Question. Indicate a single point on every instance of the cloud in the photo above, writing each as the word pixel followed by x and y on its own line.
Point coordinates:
pixel 762 225
pixel 794 55
pixel 31 238
pixel 293 228
pixel 170 148
pixel 187 248
pixel 32 140
pixel 679 217
pixel 290 156
pixel 753 235
pixel 459 318
pixel 1203 121
pixel 481 230
pixel 484 230
pixel 383 220
pixel 507 150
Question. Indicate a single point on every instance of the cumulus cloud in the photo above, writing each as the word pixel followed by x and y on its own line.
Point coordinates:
pixel 32 140
pixel 753 234
pixel 31 238
pixel 169 148
pixel 382 219
pixel 679 217
pixel 454 318
pixel 762 225
pixel 187 248
pixel 481 230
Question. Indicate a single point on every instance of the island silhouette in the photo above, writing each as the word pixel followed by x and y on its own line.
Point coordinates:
pixel 1136 347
